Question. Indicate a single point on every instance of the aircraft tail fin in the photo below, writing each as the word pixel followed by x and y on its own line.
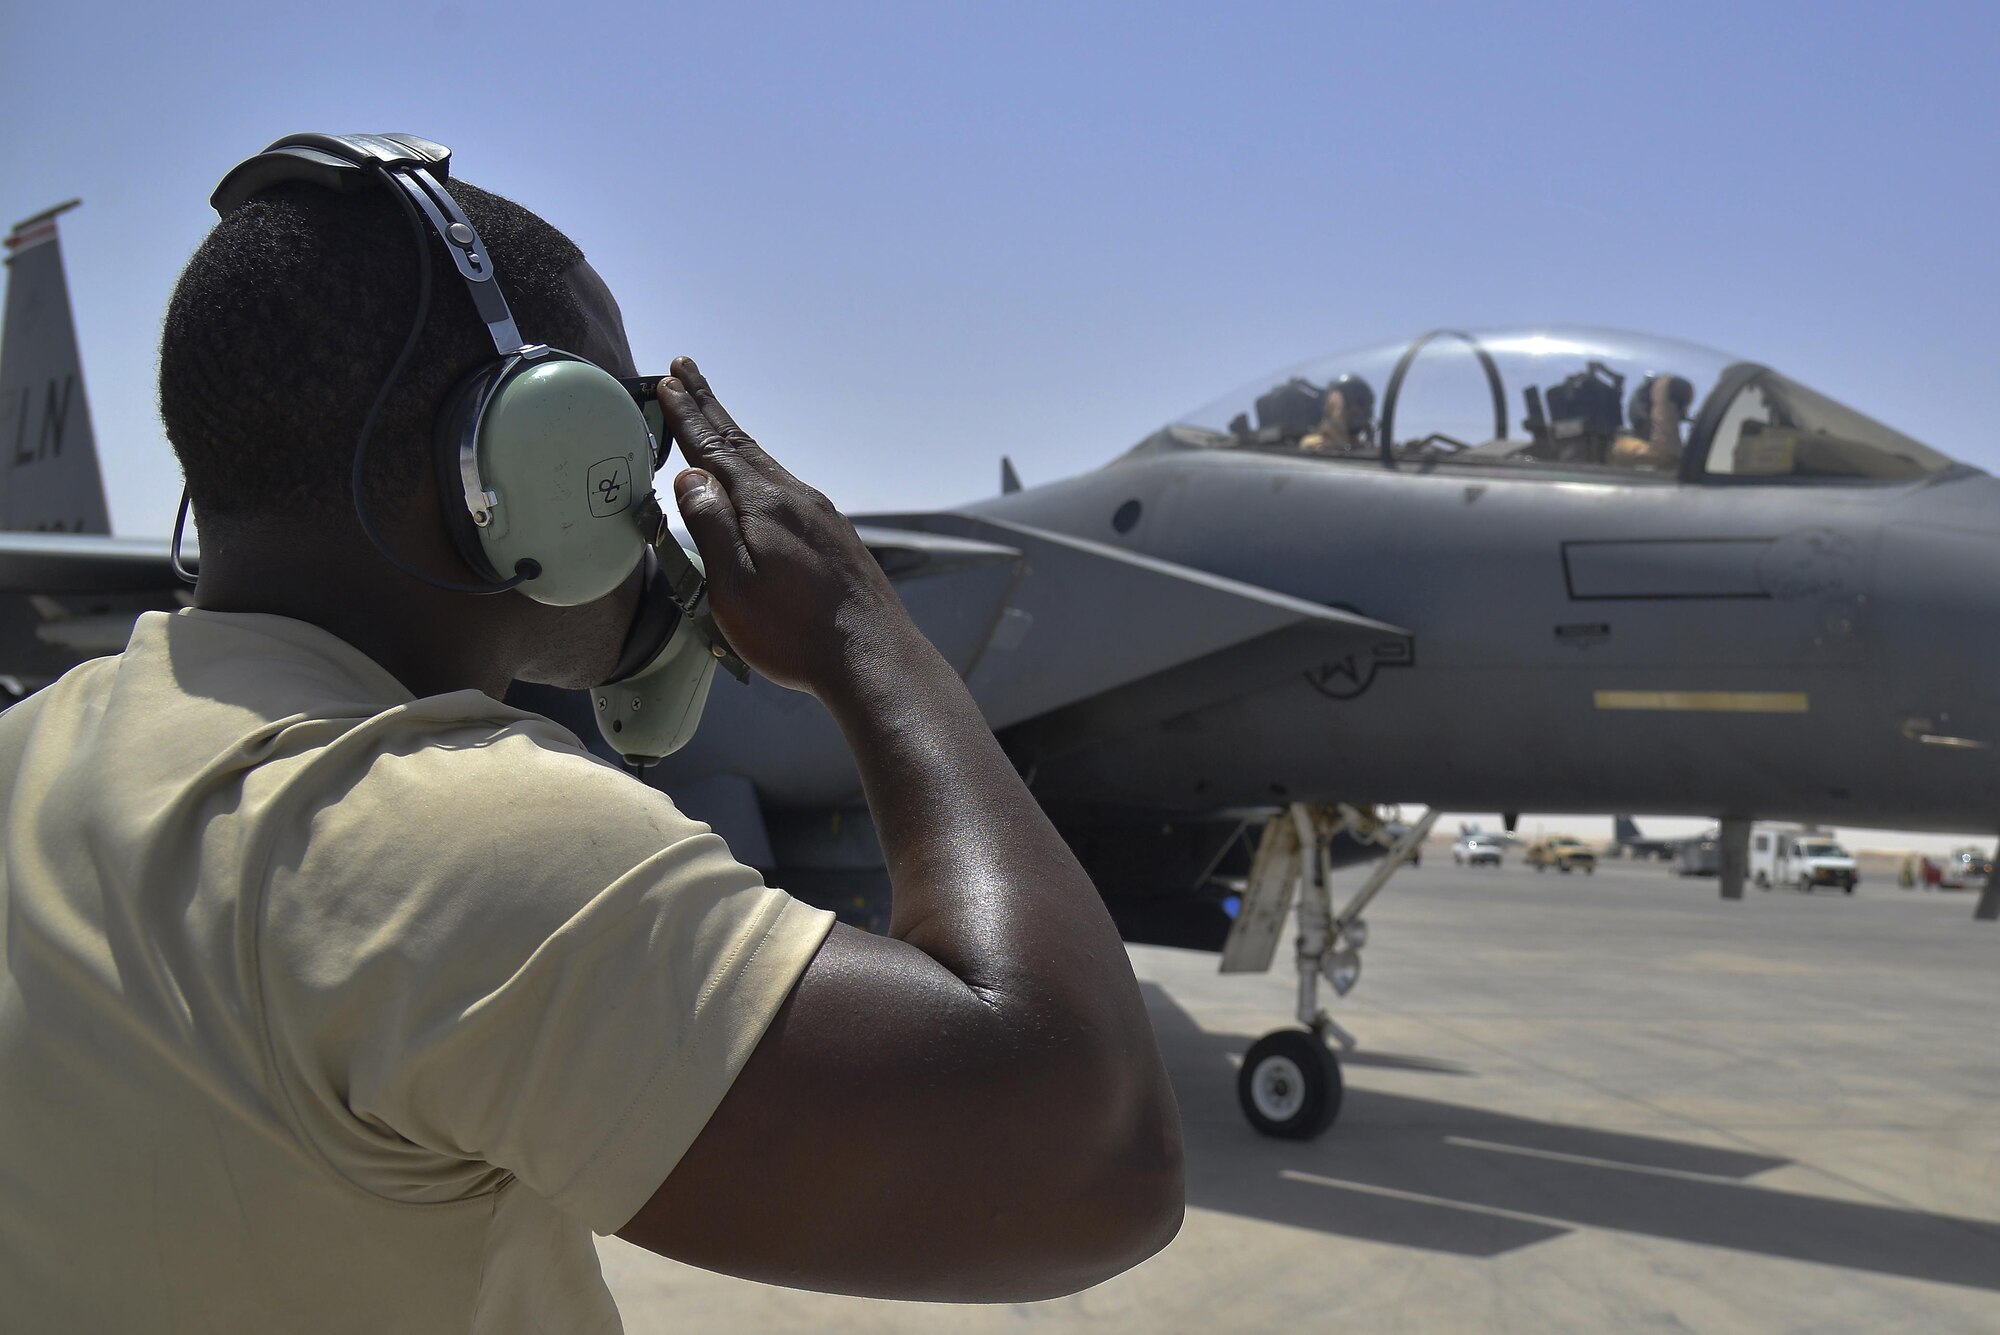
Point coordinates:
pixel 49 479
pixel 1627 829
pixel 1010 481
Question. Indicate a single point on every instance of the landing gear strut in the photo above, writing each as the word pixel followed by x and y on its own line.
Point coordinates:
pixel 1290 1084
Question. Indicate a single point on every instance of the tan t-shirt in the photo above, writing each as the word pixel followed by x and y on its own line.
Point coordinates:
pixel 324 1008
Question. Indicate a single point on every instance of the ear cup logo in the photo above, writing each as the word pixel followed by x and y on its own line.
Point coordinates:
pixel 610 486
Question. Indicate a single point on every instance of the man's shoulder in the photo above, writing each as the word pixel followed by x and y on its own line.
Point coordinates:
pixel 466 749
pixel 75 693
pixel 463 779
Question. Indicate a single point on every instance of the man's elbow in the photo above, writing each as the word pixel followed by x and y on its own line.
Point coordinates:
pixel 1148 1176
pixel 1151 1203
pixel 1128 1187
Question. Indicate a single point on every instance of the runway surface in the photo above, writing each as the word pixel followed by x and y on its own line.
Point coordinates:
pixel 1579 1104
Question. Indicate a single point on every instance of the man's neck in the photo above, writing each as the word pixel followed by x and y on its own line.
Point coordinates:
pixel 430 640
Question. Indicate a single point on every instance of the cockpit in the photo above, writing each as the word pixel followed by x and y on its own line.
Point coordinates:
pixel 1557 401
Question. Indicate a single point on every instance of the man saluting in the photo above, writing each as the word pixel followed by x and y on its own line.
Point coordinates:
pixel 338 995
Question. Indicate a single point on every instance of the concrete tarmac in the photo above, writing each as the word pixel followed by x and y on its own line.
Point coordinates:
pixel 1579 1104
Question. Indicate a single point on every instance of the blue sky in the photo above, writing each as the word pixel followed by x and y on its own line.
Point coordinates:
pixel 906 239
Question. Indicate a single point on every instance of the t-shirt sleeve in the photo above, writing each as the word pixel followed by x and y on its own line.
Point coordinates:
pixel 490 954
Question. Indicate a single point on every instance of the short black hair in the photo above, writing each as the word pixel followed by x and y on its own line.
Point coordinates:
pixel 286 321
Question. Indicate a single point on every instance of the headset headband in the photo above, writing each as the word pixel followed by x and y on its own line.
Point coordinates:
pixel 349 163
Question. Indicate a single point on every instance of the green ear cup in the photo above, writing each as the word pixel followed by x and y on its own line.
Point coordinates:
pixel 565 457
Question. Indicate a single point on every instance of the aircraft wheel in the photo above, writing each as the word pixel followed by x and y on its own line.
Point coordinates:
pixel 1289 1086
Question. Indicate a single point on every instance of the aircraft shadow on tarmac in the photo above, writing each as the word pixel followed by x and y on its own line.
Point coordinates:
pixel 1446 1177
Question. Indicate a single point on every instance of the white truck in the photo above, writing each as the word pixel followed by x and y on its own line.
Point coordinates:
pixel 1804 859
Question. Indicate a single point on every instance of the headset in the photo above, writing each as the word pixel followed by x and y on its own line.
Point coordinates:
pixel 544 460
pixel 1640 410
pixel 1357 400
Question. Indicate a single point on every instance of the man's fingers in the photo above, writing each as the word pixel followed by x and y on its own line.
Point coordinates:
pixel 713 524
pixel 700 442
pixel 684 370
pixel 697 384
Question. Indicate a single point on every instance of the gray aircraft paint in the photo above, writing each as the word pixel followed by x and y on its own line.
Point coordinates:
pixel 49 481
pixel 1848 624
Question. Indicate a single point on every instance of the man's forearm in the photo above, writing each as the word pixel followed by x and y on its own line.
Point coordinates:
pixel 1007 1001
pixel 980 880
pixel 983 885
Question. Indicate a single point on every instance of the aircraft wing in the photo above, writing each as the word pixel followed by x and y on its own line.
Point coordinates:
pixel 1123 637
pixel 83 563
pixel 65 597
pixel 73 596
pixel 954 588
pixel 1062 642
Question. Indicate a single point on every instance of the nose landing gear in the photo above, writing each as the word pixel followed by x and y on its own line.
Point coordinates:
pixel 1290 1085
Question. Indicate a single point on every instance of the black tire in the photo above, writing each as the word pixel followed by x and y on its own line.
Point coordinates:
pixel 1289 1087
pixel 1849 887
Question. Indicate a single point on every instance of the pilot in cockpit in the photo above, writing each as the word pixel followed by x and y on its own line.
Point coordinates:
pixel 1347 423
pixel 1658 407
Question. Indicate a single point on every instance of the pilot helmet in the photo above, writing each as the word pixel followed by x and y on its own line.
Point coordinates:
pixel 1357 402
pixel 1640 409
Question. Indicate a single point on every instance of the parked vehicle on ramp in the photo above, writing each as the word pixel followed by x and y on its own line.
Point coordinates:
pixel 1563 853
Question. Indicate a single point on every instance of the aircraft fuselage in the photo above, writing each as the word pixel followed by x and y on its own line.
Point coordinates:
pixel 1807 652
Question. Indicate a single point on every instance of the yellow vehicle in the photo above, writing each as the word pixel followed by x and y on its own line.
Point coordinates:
pixel 1563 853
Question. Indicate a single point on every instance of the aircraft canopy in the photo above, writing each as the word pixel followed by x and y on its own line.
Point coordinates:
pixel 1551 401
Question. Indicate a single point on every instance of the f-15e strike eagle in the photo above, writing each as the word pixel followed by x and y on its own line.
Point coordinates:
pixel 1550 569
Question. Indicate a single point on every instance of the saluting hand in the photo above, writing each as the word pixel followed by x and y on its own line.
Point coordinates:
pixel 789 581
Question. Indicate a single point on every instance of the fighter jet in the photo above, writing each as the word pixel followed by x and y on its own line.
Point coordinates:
pixel 1678 582
pixel 1628 842
pixel 62 599
pixel 1729 613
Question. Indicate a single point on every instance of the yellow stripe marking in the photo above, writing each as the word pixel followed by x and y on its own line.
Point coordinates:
pixel 1710 702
